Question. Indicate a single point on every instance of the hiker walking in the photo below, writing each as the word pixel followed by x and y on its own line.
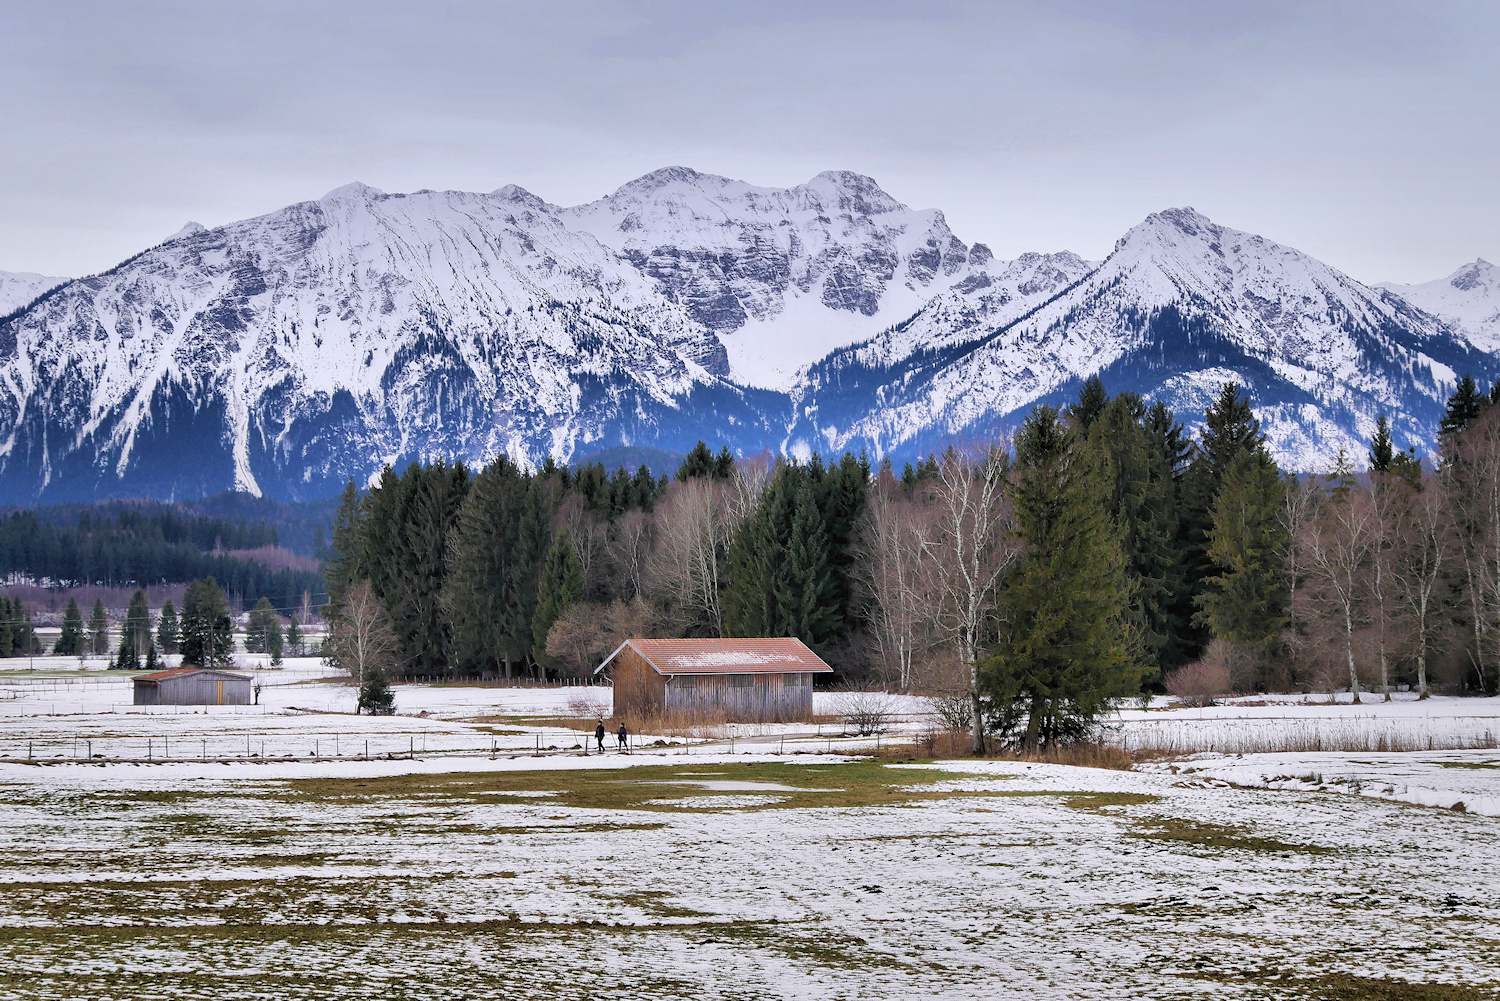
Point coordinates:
pixel 623 737
pixel 599 735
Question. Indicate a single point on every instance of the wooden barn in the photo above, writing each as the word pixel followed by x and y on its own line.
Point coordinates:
pixel 192 686
pixel 746 680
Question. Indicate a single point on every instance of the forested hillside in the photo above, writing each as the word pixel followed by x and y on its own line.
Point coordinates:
pixel 134 548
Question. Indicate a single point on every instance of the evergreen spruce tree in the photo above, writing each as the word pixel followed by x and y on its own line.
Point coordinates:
pixel 153 662
pixel 98 629
pixel 757 554
pixel 294 636
pixel 258 627
pixel 697 464
pixel 375 695
pixel 1466 403
pixel 805 593
pixel 70 641
pixel 1065 647
pixel 207 632
pixel 346 563
pixel 1382 451
pixel 1245 601
pixel 9 622
pixel 490 590
pixel 274 640
pixel 561 585
pixel 138 621
pixel 168 634
pixel 1229 431
pixel 1092 399
pixel 126 659
pixel 430 501
pixel 1141 495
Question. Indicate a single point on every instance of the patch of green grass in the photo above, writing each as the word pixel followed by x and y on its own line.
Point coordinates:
pixel 1284 984
pixel 1096 802
pixel 1348 987
pixel 1217 836
pixel 651 787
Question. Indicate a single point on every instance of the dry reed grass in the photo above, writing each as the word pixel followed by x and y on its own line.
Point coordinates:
pixel 939 744
pixel 1302 743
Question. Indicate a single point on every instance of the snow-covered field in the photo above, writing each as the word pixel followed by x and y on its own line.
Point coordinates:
pixel 750 874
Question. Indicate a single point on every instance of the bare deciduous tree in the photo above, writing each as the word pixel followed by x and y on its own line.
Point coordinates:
pixel 1337 548
pixel 969 546
pixel 1422 555
pixel 629 549
pixel 694 523
pixel 890 575
pixel 360 641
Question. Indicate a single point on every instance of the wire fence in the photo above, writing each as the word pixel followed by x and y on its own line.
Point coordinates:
pixel 334 746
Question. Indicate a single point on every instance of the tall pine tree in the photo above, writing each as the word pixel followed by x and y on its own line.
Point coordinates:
pixel 98 629
pixel 561 586
pixel 70 641
pixel 805 590
pixel 1245 600
pixel 1065 647
pixel 1466 403
pixel 168 632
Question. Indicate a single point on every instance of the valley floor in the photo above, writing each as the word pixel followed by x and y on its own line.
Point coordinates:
pixel 725 875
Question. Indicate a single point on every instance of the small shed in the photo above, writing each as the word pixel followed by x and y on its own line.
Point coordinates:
pixel 747 680
pixel 192 686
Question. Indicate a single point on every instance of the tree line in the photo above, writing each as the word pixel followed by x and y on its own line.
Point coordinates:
pixel 1101 552
pixel 130 548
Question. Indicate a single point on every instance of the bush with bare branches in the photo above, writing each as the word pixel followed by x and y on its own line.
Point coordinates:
pixel 1201 682
pixel 866 713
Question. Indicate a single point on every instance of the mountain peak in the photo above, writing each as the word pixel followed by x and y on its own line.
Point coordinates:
pixel 866 196
pixel 519 195
pixel 189 228
pixel 1186 219
pixel 353 191
pixel 658 179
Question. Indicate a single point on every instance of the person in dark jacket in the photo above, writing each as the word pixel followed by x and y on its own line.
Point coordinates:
pixel 599 735
pixel 623 736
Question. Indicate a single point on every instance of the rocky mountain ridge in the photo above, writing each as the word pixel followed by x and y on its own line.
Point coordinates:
pixel 283 354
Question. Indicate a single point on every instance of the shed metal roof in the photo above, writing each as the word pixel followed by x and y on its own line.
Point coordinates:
pixel 180 672
pixel 771 655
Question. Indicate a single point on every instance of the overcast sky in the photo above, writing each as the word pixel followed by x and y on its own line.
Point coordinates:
pixel 1365 133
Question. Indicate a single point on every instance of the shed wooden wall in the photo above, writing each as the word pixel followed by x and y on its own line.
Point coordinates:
pixel 748 698
pixel 194 690
pixel 638 688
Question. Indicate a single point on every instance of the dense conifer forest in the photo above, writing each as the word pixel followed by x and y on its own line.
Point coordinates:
pixel 127 547
pixel 1100 552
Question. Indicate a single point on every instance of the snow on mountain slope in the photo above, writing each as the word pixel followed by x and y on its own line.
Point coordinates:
pixel 782 276
pixel 1180 306
pixel 333 336
pixel 286 353
pixel 19 288
pixel 1468 299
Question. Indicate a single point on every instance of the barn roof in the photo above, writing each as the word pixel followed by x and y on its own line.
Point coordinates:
pixel 179 672
pixel 778 655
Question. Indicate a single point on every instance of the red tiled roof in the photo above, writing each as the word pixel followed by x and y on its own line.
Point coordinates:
pixel 177 672
pixel 781 655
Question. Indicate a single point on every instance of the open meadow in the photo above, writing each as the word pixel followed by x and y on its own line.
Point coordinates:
pixel 457 861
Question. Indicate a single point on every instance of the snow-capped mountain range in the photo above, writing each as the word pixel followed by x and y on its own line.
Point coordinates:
pixel 287 353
